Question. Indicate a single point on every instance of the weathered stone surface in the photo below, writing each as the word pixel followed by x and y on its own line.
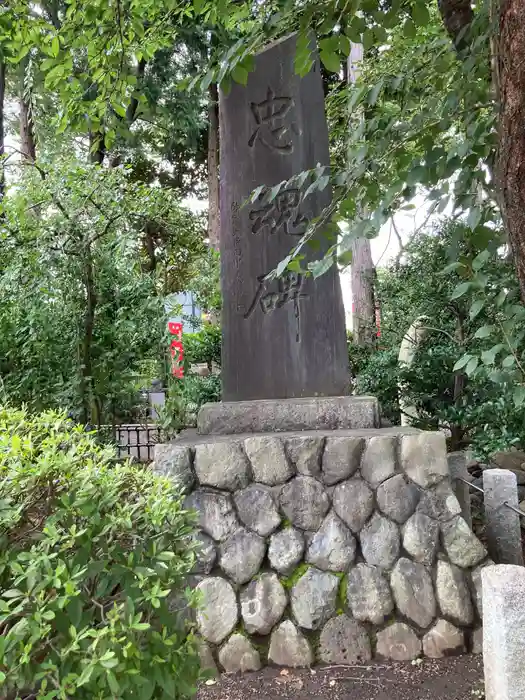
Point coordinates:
pixel 353 502
pixel 413 592
pixel 241 555
pixel 397 499
pixel 206 554
pixel 368 594
pixel 461 545
pixel 344 641
pixel 439 502
pixel 503 631
pixel 207 662
pixel 239 655
pixel 218 613
pixel 333 546
pixel 217 516
pixel 288 647
pixel 257 509
pixel 453 594
pixel 502 524
pixel 477 589
pixel 477 641
pixel 222 465
pixel 263 144
pixel 304 502
pixel 424 458
pixel 341 458
pixel 313 598
pixel 174 462
pixel 513 460
pixel 286 550
pixel 457 466
pixel 379 460
pixel 380 542
pixel 443 639
pixel 270 464
pixel 398 642
pixel 421 538
pixel 305 454
pixel 263 603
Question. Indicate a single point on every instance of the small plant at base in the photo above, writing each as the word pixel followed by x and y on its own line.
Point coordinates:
pixel 92 559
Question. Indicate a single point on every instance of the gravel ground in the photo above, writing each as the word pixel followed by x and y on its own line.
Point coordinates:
pixel 457 678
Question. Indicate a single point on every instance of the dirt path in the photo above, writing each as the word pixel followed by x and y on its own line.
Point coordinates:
pixel 446 679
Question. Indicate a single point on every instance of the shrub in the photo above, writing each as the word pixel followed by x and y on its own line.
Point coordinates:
pixel 92 556
pixel 377 375
pixel 204 346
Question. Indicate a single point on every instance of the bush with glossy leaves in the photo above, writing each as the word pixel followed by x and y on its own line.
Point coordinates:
pixel 92 556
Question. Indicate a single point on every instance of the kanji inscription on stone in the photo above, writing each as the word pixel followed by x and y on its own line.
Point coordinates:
pixel 282 337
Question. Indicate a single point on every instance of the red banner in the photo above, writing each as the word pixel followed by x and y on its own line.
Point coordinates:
pixel 177 349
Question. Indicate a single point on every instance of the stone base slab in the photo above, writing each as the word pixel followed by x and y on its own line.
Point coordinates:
pixel 284 415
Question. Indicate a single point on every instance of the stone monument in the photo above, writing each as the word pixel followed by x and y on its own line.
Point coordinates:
pixel 283 338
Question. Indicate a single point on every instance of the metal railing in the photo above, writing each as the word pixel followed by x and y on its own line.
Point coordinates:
pixel 501 515
pixel 135 440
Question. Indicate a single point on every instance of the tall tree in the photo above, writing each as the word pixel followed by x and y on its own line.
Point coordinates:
pixel 363 269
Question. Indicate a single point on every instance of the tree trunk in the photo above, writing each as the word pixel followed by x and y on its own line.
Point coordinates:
pixel 27 135
pixel 86 372
pixel 214 223
pixel 2 135
pixel 510 164
pixel 364 330
pixel 97 149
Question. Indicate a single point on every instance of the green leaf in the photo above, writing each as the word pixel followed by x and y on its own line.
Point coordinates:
pixel 55 47
pixel 319 267
pixel 420 13
pixel 409 29
pixel 471 366
pixel 480 260
pixel 240 74
pixel 464 360
pixel 519 396
pixel 484 332
pixel 113 684
pixel 374 93
pixel 509 361
pixel 331 61
pixel 475 309
pixel 460 290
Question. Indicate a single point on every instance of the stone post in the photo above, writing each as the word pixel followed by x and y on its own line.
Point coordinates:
pixel 502 523
pixel 457 465
pixel 504 632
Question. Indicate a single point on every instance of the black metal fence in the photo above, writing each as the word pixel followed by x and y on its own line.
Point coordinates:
pixel 133 440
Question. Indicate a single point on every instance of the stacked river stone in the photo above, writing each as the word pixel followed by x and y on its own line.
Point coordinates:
pixel 328 546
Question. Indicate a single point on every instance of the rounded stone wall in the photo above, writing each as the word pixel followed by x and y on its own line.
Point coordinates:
pixel 328 548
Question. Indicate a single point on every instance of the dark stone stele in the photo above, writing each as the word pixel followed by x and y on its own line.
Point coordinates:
pixel 283 338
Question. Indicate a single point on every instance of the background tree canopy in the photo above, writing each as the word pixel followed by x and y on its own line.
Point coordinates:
pixel 109 121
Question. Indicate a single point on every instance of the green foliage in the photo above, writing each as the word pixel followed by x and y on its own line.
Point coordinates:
pixel 81 308
pixel 184 399
pixel 378 375
pixel 461 378
pixel 290 581
pixel 91 557
pixel 204 346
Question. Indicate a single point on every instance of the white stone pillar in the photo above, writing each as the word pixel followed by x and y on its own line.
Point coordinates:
pixel 504 632
pixel 502 523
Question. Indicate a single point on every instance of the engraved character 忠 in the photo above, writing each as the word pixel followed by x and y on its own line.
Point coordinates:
pixel 269 117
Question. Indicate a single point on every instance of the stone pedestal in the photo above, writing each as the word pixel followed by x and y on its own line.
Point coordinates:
pixel 354 536
pixel 282 415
